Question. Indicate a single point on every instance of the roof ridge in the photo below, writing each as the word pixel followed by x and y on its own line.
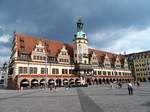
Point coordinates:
pixel 104 51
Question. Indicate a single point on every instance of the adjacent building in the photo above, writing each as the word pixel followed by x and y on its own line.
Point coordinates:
pixel 38 61
pixel 139 63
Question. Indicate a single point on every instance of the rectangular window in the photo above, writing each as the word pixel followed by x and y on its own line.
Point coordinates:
pixel 109 73
pixel 33 70
pixel 22 70
pixel 44 70
pixel 64 71
pixel 123 74
pixel 95 72
pixel 116 73
pixel 104 72
pixel 75 55
pixel 99 72
pixel 24 56
pixel 70 71
pixel 40 57
pixel 25 70
pixel 37 57
pixel 120 73
pixel 55 71
pixel 34 57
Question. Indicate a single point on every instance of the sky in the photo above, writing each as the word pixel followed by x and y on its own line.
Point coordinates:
pixel 117 26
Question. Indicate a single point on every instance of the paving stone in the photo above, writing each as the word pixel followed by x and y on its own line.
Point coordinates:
pixel 91 99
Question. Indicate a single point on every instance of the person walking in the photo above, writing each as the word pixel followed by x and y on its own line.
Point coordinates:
pixel 120 85
pixel 138 84
pixel 111 85
pixel 130 88
pixel 50 87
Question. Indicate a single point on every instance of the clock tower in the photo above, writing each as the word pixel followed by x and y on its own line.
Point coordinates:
pixel 81 45
pixel 81 55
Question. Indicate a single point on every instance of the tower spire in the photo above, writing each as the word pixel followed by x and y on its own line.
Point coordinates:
pixel 80 25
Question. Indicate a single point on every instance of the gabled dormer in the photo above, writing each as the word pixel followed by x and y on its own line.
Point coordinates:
pixel 126 64
pixel 94 60
pixel 107 62
pixel 117 63
pixel 39 53
pixel 63 56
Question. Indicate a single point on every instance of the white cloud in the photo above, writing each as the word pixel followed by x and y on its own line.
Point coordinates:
pixel 5 38
pixel 4 50
pixel 122 40
pixel 4 59
pixel 4 54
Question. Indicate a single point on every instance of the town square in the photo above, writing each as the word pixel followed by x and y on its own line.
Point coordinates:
pixel 74 56
pixel 85 99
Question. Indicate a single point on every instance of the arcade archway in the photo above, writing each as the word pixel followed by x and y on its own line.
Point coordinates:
pixel 58 82
pixel 24 83
pixel 34 83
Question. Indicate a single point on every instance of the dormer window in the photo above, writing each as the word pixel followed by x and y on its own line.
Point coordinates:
pixel 107 61
pixel 40 57
pixel 34 57
pixel 37 57
pixel 63 53
pixel 39 53
pixel 24 56
pixel 94 60
pixel 117 63
pixel 63 56
pixel 37 49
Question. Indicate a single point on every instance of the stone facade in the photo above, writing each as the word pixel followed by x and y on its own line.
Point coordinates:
pixel 38 62
pixel 139 63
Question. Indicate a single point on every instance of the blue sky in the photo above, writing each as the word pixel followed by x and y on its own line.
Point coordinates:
pixel 113 25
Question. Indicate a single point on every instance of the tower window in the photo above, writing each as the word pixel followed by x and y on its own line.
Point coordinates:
pixel 75 55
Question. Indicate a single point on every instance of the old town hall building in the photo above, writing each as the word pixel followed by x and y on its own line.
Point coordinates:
pixel 37 62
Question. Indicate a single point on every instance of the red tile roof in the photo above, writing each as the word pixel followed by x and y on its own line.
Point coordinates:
pixel 53 47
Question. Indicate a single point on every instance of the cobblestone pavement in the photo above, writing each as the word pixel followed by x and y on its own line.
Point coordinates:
pixel 91 99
